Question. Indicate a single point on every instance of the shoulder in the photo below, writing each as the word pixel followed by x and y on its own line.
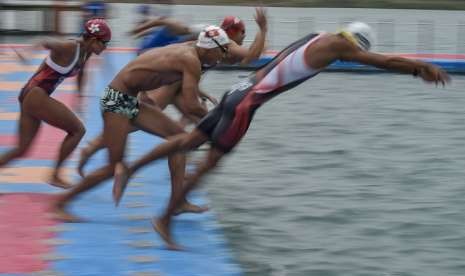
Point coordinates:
pixel 70 45
pixel 189 53
pixel 342 47
pixel 235 48
pixel 338 42
pixel 236 52
pixel 60 47
pixel 185 56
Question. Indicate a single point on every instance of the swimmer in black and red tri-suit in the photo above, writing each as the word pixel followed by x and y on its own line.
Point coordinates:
pixel 227 123
pixel 66 59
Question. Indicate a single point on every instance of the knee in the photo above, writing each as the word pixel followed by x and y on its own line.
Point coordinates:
pixel 185 144
pixel 78 131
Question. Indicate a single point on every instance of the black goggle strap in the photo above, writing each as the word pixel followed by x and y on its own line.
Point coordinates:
pixel 365 43
pixel 224 50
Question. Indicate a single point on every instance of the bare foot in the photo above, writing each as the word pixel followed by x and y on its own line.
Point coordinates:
pixel 59 213
pixel 59 182
pixel 120 182
pixel 164 233
pixel 187 207
pixel 83 158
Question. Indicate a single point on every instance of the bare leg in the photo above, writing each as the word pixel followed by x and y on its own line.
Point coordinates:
pixel 143 97
pixel 28 127
pixel 162 96
pixel 152 120
pixel 38 106
pixel 87 183
pixel 58 115
pixel 165 127
pixel 178 143
pixel 154 101
pixel 148 97
pixel 177 164
pixel 115 132
pixel 95 145
pixel 162 225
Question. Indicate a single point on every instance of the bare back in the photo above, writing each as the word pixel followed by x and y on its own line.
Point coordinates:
pixel 156 68
pixel 327 50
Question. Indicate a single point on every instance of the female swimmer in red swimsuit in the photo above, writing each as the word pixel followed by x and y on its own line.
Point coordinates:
pixel 66 59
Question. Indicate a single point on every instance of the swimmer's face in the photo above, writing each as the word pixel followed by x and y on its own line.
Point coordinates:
pixel 98 45
pixel 238 36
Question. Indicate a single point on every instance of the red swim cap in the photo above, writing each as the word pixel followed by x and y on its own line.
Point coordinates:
pixel 97 27
pixel 232 24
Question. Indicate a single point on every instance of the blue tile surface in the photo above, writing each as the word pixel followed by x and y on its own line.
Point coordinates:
pixel 120 241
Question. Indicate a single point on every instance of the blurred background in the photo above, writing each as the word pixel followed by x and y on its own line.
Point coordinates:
pixel 398 30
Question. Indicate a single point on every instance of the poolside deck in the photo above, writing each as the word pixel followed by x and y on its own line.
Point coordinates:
pixel 112 241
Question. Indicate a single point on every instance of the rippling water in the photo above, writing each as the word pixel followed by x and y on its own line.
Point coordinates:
pixel 348 174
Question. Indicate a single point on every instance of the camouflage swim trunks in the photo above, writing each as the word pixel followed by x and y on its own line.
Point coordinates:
pixel 120 103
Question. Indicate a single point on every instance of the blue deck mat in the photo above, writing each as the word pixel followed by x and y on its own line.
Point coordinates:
pixel 120 241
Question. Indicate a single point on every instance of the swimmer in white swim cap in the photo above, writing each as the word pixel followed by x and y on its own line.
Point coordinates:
pixel 360 34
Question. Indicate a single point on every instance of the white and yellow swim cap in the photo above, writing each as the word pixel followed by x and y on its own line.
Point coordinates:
pixel 211 37
pixel 359 33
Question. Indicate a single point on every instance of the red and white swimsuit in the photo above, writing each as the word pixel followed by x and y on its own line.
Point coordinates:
pixel 50 75
pixel 228 122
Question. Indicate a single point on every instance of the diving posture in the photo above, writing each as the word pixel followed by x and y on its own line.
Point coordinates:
pixel 227 123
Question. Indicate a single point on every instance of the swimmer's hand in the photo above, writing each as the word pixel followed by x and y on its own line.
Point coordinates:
pixel 431 73
pixel 260 18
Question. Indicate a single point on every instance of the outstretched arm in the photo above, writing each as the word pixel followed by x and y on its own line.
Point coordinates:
pixel 51 44
pixel 258 45
pixel 427 71
pixel 174 26
pixel 243 55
